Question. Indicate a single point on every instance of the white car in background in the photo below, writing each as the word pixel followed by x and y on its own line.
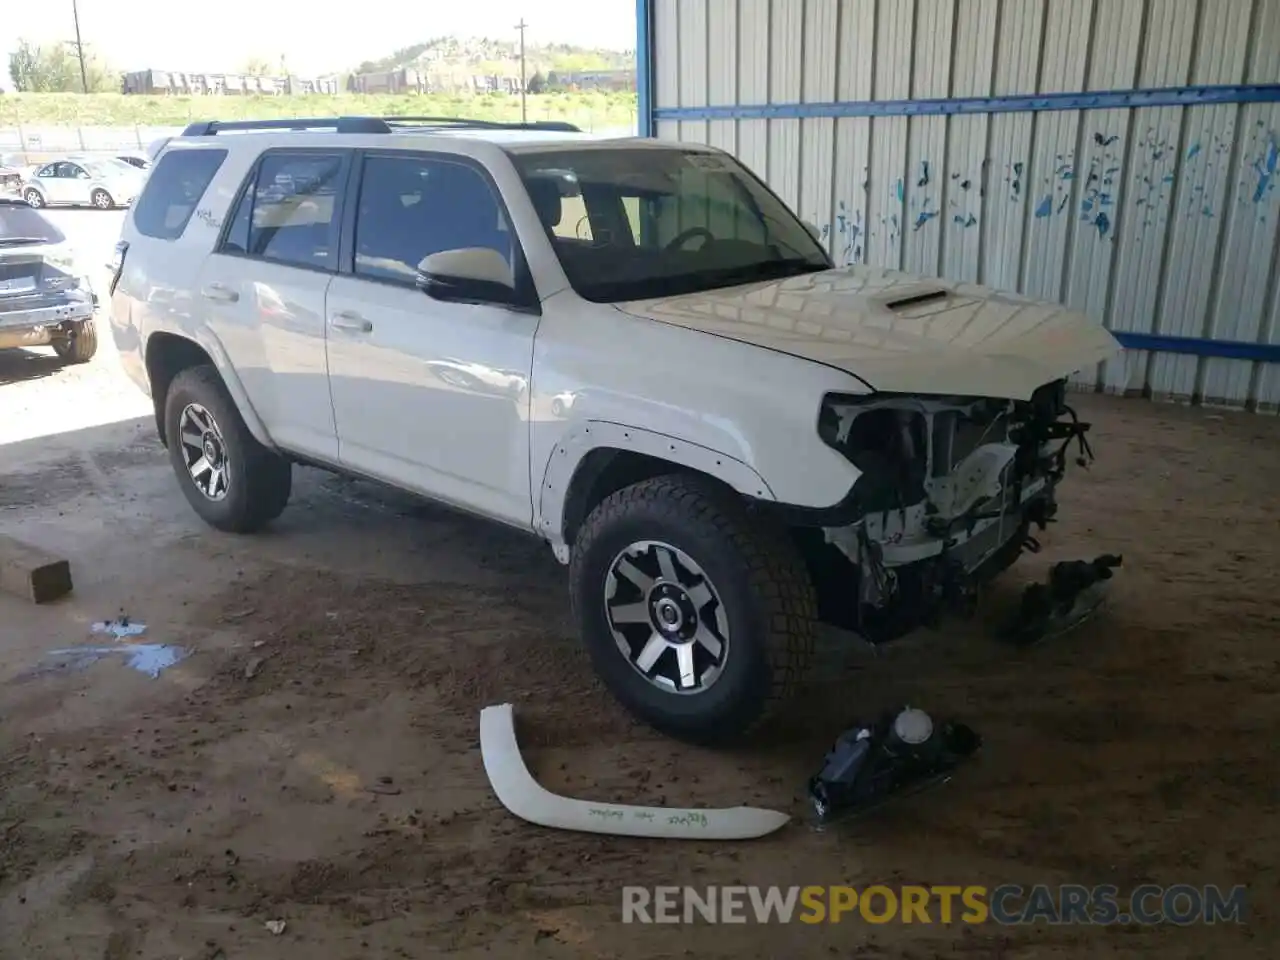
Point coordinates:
pixel 83 182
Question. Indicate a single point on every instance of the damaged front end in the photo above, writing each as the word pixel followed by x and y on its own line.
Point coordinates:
pixel 949 491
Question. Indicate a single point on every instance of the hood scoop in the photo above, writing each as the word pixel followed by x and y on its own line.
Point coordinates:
pixel 899 297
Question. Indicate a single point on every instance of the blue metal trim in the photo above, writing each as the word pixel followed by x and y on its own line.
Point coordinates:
pixel 644 67
pixel 1101 100
pixel 1200 347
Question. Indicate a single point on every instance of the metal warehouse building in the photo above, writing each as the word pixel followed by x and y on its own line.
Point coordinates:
pixel 1120 156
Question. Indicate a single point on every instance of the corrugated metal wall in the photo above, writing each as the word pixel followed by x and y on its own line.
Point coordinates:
pixel 1159 220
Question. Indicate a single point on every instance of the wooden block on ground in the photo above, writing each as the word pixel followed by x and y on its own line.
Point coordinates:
pixel 33 573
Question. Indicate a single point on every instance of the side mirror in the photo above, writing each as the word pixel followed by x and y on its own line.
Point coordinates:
pixel 470 273
pixel 813 230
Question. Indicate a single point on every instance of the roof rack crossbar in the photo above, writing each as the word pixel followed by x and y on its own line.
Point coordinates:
pixel 210 128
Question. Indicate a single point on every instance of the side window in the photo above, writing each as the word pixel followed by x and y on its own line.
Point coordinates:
pixel 295 205
pixel 173 191
pixel 48 170
pixel 237 238
pixel 412 207
pixel 74 171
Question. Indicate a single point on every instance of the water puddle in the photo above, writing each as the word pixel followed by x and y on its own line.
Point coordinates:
pixel 151 659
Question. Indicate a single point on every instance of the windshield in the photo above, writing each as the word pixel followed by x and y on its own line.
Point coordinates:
pixel 19 223
pixel 628 224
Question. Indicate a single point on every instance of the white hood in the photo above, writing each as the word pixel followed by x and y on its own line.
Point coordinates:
pixel 956 339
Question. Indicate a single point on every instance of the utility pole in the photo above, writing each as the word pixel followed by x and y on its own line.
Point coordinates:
pixel 84 76
pixel 524 110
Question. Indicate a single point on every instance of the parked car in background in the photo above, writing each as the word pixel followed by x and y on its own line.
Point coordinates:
pixel 11 177
pixel 83 182
pixel 46 297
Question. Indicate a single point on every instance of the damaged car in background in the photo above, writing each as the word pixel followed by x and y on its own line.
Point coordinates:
pixel 46 297
pixel 726 438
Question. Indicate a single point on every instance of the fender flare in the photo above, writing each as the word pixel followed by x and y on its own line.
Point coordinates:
pixel 206 340
pixel 591 435
pixel 523 796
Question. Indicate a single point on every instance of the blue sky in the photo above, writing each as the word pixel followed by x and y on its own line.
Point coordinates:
pixel 315 36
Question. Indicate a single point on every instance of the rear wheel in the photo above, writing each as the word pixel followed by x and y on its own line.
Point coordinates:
pixel 33 197
pixel 80 344
pixel 229 478
pixel 101 199
pixel 698 616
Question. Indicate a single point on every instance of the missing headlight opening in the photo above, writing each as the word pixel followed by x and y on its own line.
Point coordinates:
pixel 950 488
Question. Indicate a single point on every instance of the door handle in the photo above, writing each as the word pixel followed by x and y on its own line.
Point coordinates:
pixel 220 292
pixel 350 320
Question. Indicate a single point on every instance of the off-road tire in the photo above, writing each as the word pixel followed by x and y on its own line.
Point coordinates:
pixel 259 480
pixel 81 345
pixel 762 582
pixel 102 200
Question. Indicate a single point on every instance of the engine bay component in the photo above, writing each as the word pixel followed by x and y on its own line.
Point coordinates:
pixel 903 752
pixel 948 492
pixel 1074 591
pixel 527 799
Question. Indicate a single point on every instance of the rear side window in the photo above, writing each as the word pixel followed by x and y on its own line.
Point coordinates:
pixel 289 212
pixel 173 190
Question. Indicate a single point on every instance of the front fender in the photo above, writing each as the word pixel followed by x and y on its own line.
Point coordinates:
pixel 591 435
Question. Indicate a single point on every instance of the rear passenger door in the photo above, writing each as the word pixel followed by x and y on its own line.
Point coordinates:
pixel 263 290
pixel 431 394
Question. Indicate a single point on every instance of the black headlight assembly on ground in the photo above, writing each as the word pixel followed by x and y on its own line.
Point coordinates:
pixel 903 752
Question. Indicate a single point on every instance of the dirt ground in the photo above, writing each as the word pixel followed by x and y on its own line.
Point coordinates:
pixel 314 759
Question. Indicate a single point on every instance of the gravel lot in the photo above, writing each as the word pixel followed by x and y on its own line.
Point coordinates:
pixel 314 758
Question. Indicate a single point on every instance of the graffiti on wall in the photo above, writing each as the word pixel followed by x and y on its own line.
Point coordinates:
pixel 1163 173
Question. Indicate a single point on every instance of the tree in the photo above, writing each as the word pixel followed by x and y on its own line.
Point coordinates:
pixel 55 69
pixel 537 83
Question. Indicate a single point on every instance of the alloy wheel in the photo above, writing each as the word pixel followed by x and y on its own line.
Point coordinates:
pixel 204 451
pixel 666 617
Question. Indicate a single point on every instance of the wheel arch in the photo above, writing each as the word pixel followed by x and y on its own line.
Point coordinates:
pixel 598 458
pixel 168 354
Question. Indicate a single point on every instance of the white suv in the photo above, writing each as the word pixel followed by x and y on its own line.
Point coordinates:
pixel 629 348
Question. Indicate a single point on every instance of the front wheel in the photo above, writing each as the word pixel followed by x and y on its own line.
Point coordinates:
pixel 34 198
pixel 697 615
pixel 229 478
pixel 102 200
pixel 80 343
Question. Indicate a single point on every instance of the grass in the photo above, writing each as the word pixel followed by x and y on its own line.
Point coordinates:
pixel 591 111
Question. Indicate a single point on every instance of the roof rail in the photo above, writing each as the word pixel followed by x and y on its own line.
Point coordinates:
pixel 210 128
pixel 557 125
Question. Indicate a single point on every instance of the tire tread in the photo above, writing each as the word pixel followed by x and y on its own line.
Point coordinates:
pixel 775 569
pixel 268 477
